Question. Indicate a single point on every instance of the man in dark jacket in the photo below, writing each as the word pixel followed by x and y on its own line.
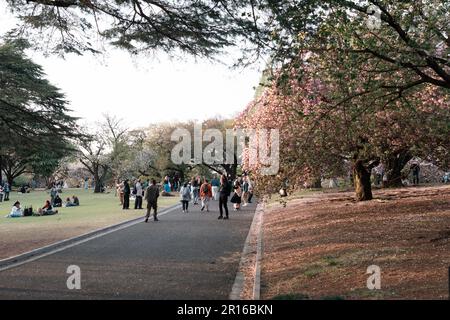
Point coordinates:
pixel 126 195
pixel 151 195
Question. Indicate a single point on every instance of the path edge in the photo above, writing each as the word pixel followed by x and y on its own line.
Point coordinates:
pixel 252 250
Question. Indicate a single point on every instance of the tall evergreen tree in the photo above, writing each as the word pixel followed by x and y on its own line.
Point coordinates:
pixel 33 113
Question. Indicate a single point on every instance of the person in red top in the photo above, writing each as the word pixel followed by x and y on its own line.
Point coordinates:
pixel 205 194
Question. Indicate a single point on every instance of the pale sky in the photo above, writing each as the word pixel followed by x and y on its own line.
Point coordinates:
pixel 145 90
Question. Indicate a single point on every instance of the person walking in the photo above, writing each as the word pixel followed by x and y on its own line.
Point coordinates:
pixel 126 195
pixel 151 196
pixel 6 190
pixel 224 192
pixel 245 191
pixel 205 195
pixel 250 190
pixel 139 194
pixel 185 194
pixel 215 184
pixel 236 199
pixel 195 190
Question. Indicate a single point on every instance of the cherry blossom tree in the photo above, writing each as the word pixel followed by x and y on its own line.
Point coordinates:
pixel 319 132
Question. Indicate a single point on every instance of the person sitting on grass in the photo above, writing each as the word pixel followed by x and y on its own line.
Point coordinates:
pixel 68 203
pixel 72 203
pixel 23 189
pixel 57 202
pixel 75 200
pixel 47 210
pixel 16 211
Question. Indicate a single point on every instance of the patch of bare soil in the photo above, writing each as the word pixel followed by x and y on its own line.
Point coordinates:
pixel 319 247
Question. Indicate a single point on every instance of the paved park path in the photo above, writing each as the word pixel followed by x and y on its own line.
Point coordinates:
pixel 183 256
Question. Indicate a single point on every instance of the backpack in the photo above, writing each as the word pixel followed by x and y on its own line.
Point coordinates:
pixel 186 192
pixel 205 189
pixel 28 212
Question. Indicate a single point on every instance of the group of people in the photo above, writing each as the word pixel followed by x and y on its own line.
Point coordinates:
pixel 17 211
pixel 124 192
pixel 171 184
pixel 141 191
pixel 197 190
pixel 218 189
pixel 49 206
pixel 70 202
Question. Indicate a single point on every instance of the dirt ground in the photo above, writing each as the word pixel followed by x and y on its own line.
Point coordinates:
pixel 320 246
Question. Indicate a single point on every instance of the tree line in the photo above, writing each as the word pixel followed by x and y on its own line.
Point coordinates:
pixel 362 82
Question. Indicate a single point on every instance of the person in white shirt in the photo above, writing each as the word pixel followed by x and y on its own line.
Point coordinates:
pixel 139 195
pixel 16 211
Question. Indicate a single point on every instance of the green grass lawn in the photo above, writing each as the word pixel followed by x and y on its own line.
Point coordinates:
pixel 95 211
pixel 93 208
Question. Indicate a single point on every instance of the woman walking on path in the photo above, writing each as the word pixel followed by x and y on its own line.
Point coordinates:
pixel 195 190
pixel 185 194
pixel 215 184
pixel 224 192
pixel 237 196
pixel 245 191
pixel 205 194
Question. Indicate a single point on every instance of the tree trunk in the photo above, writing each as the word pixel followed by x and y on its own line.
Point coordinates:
pixel 231 169
pixel 393 166
pixel 9 176
pixel 317 183
pixel 361 178
pixel 97 182
pixel 97 188
pixel 10 180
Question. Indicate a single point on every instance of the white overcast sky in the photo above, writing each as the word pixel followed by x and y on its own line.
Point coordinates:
pixel 145 90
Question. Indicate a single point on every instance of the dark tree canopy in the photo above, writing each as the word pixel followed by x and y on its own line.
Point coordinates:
pixel 196 27
pixel 31 108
